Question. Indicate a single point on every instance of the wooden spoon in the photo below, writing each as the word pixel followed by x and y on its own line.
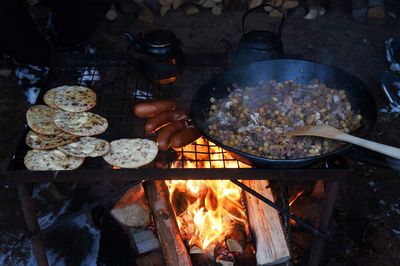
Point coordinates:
pixel 333 133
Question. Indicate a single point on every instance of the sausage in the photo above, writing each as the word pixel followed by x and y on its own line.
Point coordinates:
pixel 185 137
pixel 150 109
pixel 165 134
pixel 157 122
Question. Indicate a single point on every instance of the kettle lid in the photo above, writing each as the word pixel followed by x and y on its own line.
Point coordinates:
pixel 159 38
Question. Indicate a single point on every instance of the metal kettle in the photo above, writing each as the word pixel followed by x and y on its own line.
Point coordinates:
pixel 255 45
pixel 159 53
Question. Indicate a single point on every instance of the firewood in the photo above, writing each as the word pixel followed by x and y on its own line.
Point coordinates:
pixel 236 238
pixel 144 240
pixel 209 4
pixel 176 4
pixel 218 1
pixel 217 10
pixel 145 15
pixel 139 2
pixel 254 3
pixel 190 10
pixel 289 4
pixel 376 12
pixel 165 2
pixel 172 245
pixel 5 72
pixel 164 10
pixel 195 2
pixel 265 225
pixel 132 209
pixel 223 255
pixel 276 3
pixel 152 259
pixel 275 14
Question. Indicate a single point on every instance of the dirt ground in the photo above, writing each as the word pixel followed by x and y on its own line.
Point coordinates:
pixel 366 228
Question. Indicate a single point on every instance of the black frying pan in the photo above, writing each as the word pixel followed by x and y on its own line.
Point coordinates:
pixel 300 71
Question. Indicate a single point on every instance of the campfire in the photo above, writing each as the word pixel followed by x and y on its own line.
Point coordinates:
pixel 212 214
pixel 209 213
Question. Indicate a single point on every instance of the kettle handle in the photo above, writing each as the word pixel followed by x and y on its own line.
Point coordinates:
pixel 258 7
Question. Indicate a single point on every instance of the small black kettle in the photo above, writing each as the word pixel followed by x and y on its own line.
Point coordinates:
pixel 160 55
pixel 255 45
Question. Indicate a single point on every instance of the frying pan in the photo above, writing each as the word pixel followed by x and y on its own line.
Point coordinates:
pixel 300 71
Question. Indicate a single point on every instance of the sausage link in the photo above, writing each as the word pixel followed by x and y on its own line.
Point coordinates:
pixel 185 137
pixel 163 119
pixel 153 108
pixel 165 134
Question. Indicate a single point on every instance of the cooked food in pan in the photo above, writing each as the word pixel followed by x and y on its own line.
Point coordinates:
pixel 257 119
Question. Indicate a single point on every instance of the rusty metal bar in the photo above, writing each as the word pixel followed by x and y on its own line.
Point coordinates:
pixel 84 175
pixel 326 217
pixel 29 210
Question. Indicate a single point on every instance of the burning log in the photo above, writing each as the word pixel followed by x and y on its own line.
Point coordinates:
pixel 265 225
pixel 171 241
pixel 236 238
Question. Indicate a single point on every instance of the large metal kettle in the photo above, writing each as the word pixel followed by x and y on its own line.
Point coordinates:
pixel 255 45
pixel 160 55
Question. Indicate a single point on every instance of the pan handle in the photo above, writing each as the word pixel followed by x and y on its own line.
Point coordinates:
pixel 373 158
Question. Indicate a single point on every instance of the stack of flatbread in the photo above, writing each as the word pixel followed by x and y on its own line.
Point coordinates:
pixel 62 131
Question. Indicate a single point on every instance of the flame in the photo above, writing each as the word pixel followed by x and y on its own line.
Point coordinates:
pixel 295 198
pixel 206 209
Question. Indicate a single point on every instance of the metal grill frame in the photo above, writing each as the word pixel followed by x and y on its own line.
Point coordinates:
pixel 94 170
pixel 119 88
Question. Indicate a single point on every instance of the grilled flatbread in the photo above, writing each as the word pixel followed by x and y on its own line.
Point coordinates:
pixel 131 153
pixel 45 142
pixel 50 95
pixel 81 124
pixel 42 160
pixel 87 147
pixel 40 118
pixel 75 99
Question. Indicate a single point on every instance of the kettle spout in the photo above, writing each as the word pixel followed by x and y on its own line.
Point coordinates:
pixel 132 40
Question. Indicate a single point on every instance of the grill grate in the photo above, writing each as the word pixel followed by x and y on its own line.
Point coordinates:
pixel 119 85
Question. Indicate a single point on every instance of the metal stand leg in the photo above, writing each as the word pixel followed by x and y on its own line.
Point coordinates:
pixel 29 211
pixel 326 215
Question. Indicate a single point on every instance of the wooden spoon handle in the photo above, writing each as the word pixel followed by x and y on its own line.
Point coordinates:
pixel 381 148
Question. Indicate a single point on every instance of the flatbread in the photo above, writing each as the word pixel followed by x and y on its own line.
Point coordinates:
pixel 131 153
pixel 40 118
pixel 45 142
pixel 87 147
pixel 75 99
pixel 50 95
pixel 42 160
pixel 81 124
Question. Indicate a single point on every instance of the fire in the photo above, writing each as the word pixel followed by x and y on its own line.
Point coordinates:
pixel 295 198
pixel 206 209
